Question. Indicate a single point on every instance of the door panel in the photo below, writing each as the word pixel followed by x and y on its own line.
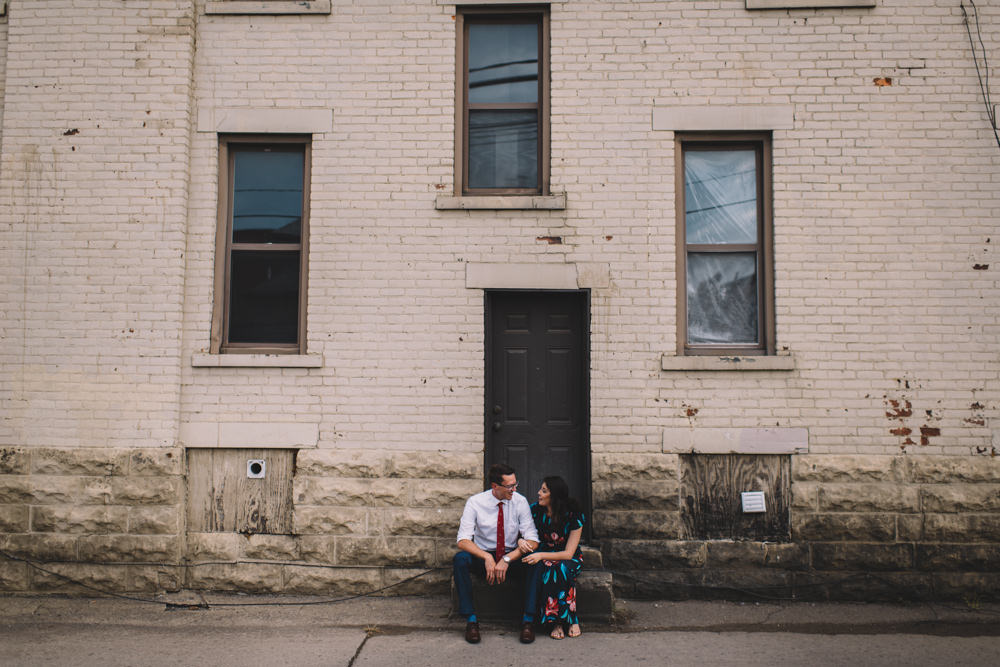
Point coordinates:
pixel 537 388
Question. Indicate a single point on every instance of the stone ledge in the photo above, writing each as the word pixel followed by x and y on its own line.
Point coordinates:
pixel 808 4
pixel 501 203
pixel 203 360
pixel 673 362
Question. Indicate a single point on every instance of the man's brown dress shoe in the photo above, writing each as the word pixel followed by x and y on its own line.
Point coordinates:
pixel 527 633
pixel 472 633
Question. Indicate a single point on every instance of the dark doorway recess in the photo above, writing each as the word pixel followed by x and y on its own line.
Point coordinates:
pixel 538 388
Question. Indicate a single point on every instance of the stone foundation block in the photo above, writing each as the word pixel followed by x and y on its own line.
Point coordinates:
pixel 331 581
pixel 958 557
pixel 852 556
pixel 79 461
pixel 129 548
pixel 875 587
pixel 962 527
pixel 150 579
pixel 868 498
pixel 634 467
pixel 805 496
pixel 664 525
pixel 40 547
pixel 961 498
pixel 444 551
pixel 350 492
pixel 317 549
pixel 954 469
pixel 14 461
pixel 421 522
pixel 245 577
pixel 105 577
pixel 146 490
pixel 15 489
pixel 653 554
pixel 386 551
pixel 63 490
pixel 213 546
pixel 14 576
pixel 154 520
pixel 450 493
pixel 848 468
pixel 270 547
pixel 330 521
pixel 910 527
pixel 844 527
pixel 13 519
pixel 415 582
pixel 435 465
pixel 158 462
pixel 969 587
pixel 82 520
pixel 736 555
pixel 340 463
pixel 618 495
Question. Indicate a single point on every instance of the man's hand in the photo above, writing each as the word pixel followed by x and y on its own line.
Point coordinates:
pixel 525 546
pixel 500 571
pixel 491 568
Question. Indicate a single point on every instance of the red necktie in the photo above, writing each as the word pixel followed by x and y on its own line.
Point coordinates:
pixel 500 537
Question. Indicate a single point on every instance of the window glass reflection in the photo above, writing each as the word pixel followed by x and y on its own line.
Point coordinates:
pixel 503 149
pixel 722 297
pixel 503 63
pixel 264 297
pixel 720 196
pixel 267 195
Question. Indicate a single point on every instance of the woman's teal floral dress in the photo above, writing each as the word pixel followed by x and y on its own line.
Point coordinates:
pixel 557 593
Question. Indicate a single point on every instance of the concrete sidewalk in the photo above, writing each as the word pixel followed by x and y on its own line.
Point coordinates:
pixel 269 630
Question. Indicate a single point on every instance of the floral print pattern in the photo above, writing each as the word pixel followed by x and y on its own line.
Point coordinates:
pixel 557 594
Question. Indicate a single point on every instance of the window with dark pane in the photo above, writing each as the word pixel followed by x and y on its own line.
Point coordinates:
pixel 724 257
pixel 502 103
pixel 265 228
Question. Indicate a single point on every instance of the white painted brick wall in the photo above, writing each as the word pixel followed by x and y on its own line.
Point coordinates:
pixel 884 200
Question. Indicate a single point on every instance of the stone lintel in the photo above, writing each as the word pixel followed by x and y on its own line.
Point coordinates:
pixel 724 118
pixel 275 435
pixel 264 7
pixel 808 4
pixel 265 121
pixel 736 440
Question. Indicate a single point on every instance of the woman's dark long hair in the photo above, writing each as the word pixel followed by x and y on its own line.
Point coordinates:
pixel 560 503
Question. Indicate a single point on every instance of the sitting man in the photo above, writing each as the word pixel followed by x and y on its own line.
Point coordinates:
pixel 487 539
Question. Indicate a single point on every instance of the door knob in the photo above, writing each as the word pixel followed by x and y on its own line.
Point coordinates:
pixel 497 409
pixel 497 426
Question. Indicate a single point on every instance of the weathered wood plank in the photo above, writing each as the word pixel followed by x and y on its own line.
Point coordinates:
pixel 221 498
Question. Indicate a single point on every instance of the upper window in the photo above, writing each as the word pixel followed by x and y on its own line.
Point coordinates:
pixel 260 267
pixel 503 93
pixel 724 250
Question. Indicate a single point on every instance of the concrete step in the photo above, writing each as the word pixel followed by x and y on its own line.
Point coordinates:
pixel 594 594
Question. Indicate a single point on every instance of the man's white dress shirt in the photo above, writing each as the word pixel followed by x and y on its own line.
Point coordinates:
pixel 479 521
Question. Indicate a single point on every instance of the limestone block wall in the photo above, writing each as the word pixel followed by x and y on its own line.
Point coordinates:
pixel 862 527
pixel 109 518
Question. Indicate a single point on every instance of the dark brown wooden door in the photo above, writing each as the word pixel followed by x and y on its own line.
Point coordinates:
pixel 537 388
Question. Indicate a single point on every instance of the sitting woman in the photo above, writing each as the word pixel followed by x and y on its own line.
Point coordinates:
pixel 560 524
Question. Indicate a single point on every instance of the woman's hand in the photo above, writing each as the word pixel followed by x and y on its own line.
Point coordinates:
pixel 525 546
pixel 531 559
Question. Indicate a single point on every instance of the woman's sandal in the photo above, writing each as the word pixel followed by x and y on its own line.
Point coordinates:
pixel 557 633
pixel 574 630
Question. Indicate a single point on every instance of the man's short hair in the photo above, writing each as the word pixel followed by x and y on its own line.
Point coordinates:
pixel 497 472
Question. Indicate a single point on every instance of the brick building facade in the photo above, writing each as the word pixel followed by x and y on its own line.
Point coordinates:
pixel 776 221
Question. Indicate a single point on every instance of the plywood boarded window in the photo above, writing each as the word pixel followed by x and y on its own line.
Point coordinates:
pixel 223 499
pixel 711 488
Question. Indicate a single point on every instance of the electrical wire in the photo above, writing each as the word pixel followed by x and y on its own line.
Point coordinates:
pixel 984 76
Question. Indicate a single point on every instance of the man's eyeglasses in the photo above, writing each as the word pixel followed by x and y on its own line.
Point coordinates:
pixel 509 487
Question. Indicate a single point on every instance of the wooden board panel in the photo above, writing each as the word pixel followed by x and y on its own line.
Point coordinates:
pixel 711 507
pixel 221 498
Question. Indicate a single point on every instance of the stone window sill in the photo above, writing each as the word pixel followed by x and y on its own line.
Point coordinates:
pixel 202 360
pixel 671 362
pixel 808 4
pixel 502 202
pixel 273 7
